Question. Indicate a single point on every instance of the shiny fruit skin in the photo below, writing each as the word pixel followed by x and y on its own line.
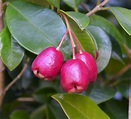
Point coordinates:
pixel 48 63
pixel 90 63
pixel 74 76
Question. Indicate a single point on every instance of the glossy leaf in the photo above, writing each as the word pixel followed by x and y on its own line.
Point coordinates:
pixel 81 19
pixel 79 107
pixel 55 3
pixel 104 46
pixel 44 95
pixel 99 93
pixel 35 27
pixel 73 3
pixel 107 26
pixel 84 38
pixel 39 2
pixel 116 50
pixel 19 114
pixel 11 53
pixel 123 16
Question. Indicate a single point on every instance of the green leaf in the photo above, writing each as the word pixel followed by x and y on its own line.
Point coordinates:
pixel 73 3
pixel 79 107
pixel 11 53
pixel 123 16
pixel 50 114
pixel 99 93
pixel 19 114
pixel 123 87
pixel 107 26
pixel 55 3
pixel 85 39
pixel 116 50
pixel 116 109
pixel 44 95
pixel 39 2
pixel 35 27
pixel 104 46
pixel 39 113
pixel 81 19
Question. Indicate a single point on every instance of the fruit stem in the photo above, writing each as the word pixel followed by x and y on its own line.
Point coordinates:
pixel 70 35
pixel 63 38
pixel 77 43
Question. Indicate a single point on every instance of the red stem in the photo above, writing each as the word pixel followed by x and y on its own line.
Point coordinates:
pixel 63 38
pixel 77 42
pixel 70 34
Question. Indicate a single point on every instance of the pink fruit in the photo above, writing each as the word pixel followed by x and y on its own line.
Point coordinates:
pixel 74 76
pixel 90 63
pixel 48 63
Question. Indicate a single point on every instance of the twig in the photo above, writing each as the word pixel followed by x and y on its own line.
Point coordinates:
pixel 97 8
pixel 2 67
pixel 17 77
pixel 122 71
pixel 128 50
pixel 25 99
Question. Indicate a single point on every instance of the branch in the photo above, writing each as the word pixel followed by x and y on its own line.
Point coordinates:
pixel 122 71
pixel 98 8
pixel 17 77
pixel 25 99
pixel 2 67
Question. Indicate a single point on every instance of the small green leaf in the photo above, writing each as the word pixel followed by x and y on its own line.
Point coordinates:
pixel 81 19
pixel 55 3
pixel 123 16
pixel 44 95
pixel 85 39
pixel 107 26
pixel 79 107
pixel 11 53
pixel 104 46
pixel 35 27
pixel 19 114
pixel 100 94
pixel 73 3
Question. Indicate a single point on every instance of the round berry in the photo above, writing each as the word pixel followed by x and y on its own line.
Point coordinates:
pixel 74 76
pixel 90 63
pixel 48 63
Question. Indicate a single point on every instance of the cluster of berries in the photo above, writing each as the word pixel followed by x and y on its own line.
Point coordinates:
pixel 75 73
